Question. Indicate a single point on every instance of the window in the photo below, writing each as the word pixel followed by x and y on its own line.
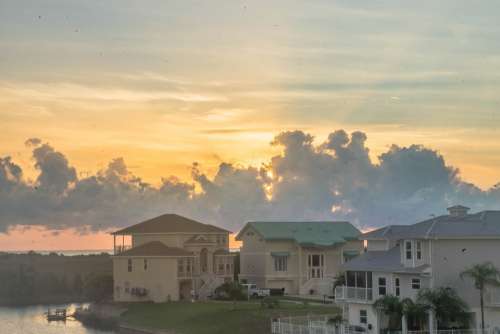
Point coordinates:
pixel 363 317
pixel 180 266
pixel 280 263
pixel 397 284
pixel 419 250
pixel 409 250
pixel 145 264
pixel 415 283
pixel 129 263
pixel 127 287
pixel 382 286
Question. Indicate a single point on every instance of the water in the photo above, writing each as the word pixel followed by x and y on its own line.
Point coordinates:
pixel 32 320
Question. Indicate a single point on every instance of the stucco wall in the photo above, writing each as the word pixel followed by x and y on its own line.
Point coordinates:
pixel 257 263
pixel 377 245
pixel 451 257
pixel 160 279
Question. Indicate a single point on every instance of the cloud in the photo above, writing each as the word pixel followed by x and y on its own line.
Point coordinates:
pixel 334 179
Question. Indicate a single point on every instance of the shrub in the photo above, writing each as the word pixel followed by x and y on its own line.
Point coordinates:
pixel 230 291
pixel 269 302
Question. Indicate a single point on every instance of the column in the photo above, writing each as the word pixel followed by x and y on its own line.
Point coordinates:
pixel 404 325
pixel 431 321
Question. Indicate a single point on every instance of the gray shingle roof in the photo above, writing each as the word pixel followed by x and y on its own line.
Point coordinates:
pixel 385 261
pixel 482 224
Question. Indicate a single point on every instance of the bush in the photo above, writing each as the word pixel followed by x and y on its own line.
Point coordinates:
pixel 230 291
pixel 269 302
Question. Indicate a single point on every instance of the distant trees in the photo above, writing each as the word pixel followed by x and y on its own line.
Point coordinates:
pixel 35 278
pixel 98 288
pixel 482 274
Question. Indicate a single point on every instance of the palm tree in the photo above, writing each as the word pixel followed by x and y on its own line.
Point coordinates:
pixel 447 306
pixel 415 312
pixel 482 274
pixel 393 308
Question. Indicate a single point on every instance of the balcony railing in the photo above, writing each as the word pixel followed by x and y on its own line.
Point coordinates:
pixel 353 293
pixel 121 248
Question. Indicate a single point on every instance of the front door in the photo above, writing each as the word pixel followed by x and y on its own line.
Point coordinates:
pixel 315 265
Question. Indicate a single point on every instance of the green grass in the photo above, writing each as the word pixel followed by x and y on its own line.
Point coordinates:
pixel 214 317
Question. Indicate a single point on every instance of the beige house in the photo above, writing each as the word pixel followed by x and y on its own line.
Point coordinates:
pixel 299 257
pixel 401 260
pixel 170 257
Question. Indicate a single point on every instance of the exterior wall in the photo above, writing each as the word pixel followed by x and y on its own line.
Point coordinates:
pixel 257 263
pixel 377 245
pixel 160 279
pixel 253 258
pixel 354 319
pixel 451 257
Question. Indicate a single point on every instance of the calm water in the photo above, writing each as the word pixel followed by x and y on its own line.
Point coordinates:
pixel 31 320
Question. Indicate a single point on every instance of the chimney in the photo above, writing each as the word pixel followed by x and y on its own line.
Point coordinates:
pixel 458 211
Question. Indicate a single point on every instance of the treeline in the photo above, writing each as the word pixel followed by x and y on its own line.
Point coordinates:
pixel 34 278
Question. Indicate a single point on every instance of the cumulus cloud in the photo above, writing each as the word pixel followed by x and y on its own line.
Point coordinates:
pixel 335 179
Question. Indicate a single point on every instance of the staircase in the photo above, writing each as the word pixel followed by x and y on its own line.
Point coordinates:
pixel 208 284
pixel 320 286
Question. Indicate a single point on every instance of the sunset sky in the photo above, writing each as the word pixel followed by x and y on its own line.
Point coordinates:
pixel 163 84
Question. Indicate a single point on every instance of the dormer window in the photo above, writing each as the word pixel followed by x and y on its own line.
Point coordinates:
pixel 408 250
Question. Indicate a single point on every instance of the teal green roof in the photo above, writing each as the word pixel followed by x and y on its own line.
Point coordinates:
pixel 314 233
pixel 351 253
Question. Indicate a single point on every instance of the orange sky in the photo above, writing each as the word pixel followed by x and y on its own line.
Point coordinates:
pixel 169 85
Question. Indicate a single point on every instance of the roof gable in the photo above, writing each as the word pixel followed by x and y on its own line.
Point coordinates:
pixel 170 223
pixel 314 233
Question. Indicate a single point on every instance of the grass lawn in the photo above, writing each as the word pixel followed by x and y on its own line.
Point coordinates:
pixel 214 317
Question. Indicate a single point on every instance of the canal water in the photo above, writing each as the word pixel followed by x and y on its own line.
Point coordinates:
pixel 32 320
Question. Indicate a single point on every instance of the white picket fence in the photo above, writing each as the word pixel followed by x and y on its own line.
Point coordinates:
pixel 308 325
pixel 320 324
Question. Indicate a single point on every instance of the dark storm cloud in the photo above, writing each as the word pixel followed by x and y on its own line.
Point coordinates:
pixel 335 179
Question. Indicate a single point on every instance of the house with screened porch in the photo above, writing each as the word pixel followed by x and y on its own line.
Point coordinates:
pixel 298 257
pixel 170 257
pixel 401 260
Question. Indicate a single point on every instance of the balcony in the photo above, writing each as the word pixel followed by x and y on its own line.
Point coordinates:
pixel 354 294
pixel 121 248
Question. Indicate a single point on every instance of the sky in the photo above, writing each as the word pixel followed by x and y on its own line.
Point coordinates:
pixel 185 106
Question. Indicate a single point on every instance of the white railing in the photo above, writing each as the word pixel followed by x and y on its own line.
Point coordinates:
pixel 353 293
pixel 121 248
pixel 319 324
pixel 456 331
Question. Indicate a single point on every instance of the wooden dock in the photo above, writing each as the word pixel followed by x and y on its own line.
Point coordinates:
pixel 59 314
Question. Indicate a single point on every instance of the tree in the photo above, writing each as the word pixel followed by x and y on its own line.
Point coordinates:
pixel 482 274
pixel 450 310
pixel 415 312
pixel 393 308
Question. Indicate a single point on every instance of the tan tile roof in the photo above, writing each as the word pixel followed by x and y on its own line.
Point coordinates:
pixel 197 239
pixel 155 248
pixel 223 252
pixel 171 223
